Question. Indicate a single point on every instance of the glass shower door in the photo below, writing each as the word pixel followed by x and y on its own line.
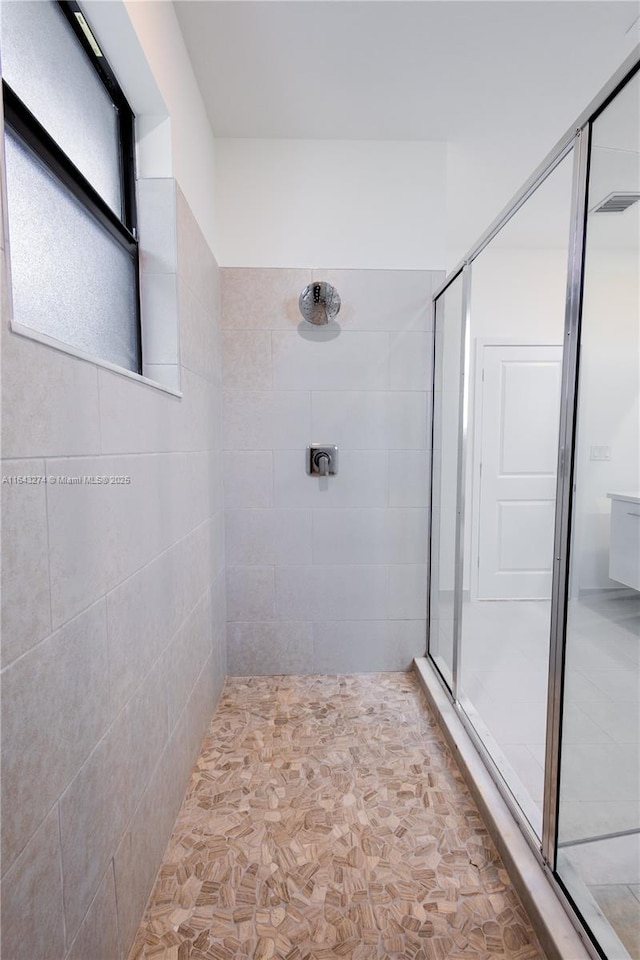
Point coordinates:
pixel 516 334
pixel 598 855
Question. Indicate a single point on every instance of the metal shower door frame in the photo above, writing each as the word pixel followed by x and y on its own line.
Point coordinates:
pixel 564 494
pixel 459 273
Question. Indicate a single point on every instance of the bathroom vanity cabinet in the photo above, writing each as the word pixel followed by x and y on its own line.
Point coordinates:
pixel 624 547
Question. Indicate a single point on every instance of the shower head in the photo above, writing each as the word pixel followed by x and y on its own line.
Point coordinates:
pixel 319 303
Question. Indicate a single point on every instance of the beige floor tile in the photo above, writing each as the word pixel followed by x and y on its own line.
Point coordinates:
pixel 326 818
pixel 622 909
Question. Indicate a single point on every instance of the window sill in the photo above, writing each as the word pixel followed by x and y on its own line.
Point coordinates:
pixel 81 355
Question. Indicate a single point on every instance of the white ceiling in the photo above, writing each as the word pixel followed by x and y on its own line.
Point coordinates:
pixel 614 168
pixel 396 70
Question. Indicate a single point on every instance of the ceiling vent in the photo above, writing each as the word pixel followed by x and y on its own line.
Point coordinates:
pixel 616 203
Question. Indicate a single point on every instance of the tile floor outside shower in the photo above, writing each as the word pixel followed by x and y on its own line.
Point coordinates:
pixel 326 818
pixel 504 680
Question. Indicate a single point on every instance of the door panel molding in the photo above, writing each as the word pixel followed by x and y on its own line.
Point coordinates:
pixel 473 546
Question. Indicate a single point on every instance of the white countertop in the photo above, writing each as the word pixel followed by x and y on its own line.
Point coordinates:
pixel 627 497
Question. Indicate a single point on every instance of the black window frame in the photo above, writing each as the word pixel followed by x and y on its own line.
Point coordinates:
pixel 123 228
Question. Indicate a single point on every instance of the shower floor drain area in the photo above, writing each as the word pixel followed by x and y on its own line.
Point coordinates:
pixel 326 818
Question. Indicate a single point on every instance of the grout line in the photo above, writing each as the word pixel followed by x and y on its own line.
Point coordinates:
pixel 46 515
pixel 271 387
pixel 140 799
pixel 130 699
pixel 93 900
pixel 108 652
pixel 313 619
pixel 110 456
pixel 321 390
pixel 273 480
pixel 99 399
pixel 112 864
pixel 7 869
pixel 35 646
pixel 387 484
pixel 62 883
pixel 103 596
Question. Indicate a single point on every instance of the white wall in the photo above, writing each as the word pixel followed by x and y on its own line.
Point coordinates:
pixel 482 177
pixel 144 44
pixel 517 295
pixel 510 300
pixel 609 410
pixel 352 204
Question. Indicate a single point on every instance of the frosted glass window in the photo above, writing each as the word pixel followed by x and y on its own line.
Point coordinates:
pixel 71 280
pixel 45 65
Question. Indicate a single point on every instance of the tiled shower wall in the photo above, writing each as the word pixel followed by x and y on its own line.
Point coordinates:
pixel 113 621
pixel 326 575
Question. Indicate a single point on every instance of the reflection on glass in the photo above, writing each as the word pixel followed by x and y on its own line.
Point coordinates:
pixel 446 411
pixel 518 292
pixel 599 812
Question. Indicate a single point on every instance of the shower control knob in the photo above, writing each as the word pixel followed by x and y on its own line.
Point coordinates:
pixel 322 460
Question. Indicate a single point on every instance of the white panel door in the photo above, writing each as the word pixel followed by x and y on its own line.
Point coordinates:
pixel 520 398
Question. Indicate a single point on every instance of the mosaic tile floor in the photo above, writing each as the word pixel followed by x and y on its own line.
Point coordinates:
pixel 326 818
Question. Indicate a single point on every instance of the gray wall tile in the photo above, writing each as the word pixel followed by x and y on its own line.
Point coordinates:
pixel 132 565
pixel 137 418
pixel 26 603
pixel 196 264
pixel 246 359
pixel 98 804
pixel 268 536
pixel 32 924
pixel 250 593
pixel 316 361
pixel 362 383
pixel 53 414
pixel 263 649
pixel 349 591
pixel 97 938
pixel 263 420
pixel 255 299
pixel 55 708
pixel 140 851
pixel 101 534
pixel 248 479
pixel 199 341
pixel 200 708
pixel 367 646
pixel 186 656
pixel 393 300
